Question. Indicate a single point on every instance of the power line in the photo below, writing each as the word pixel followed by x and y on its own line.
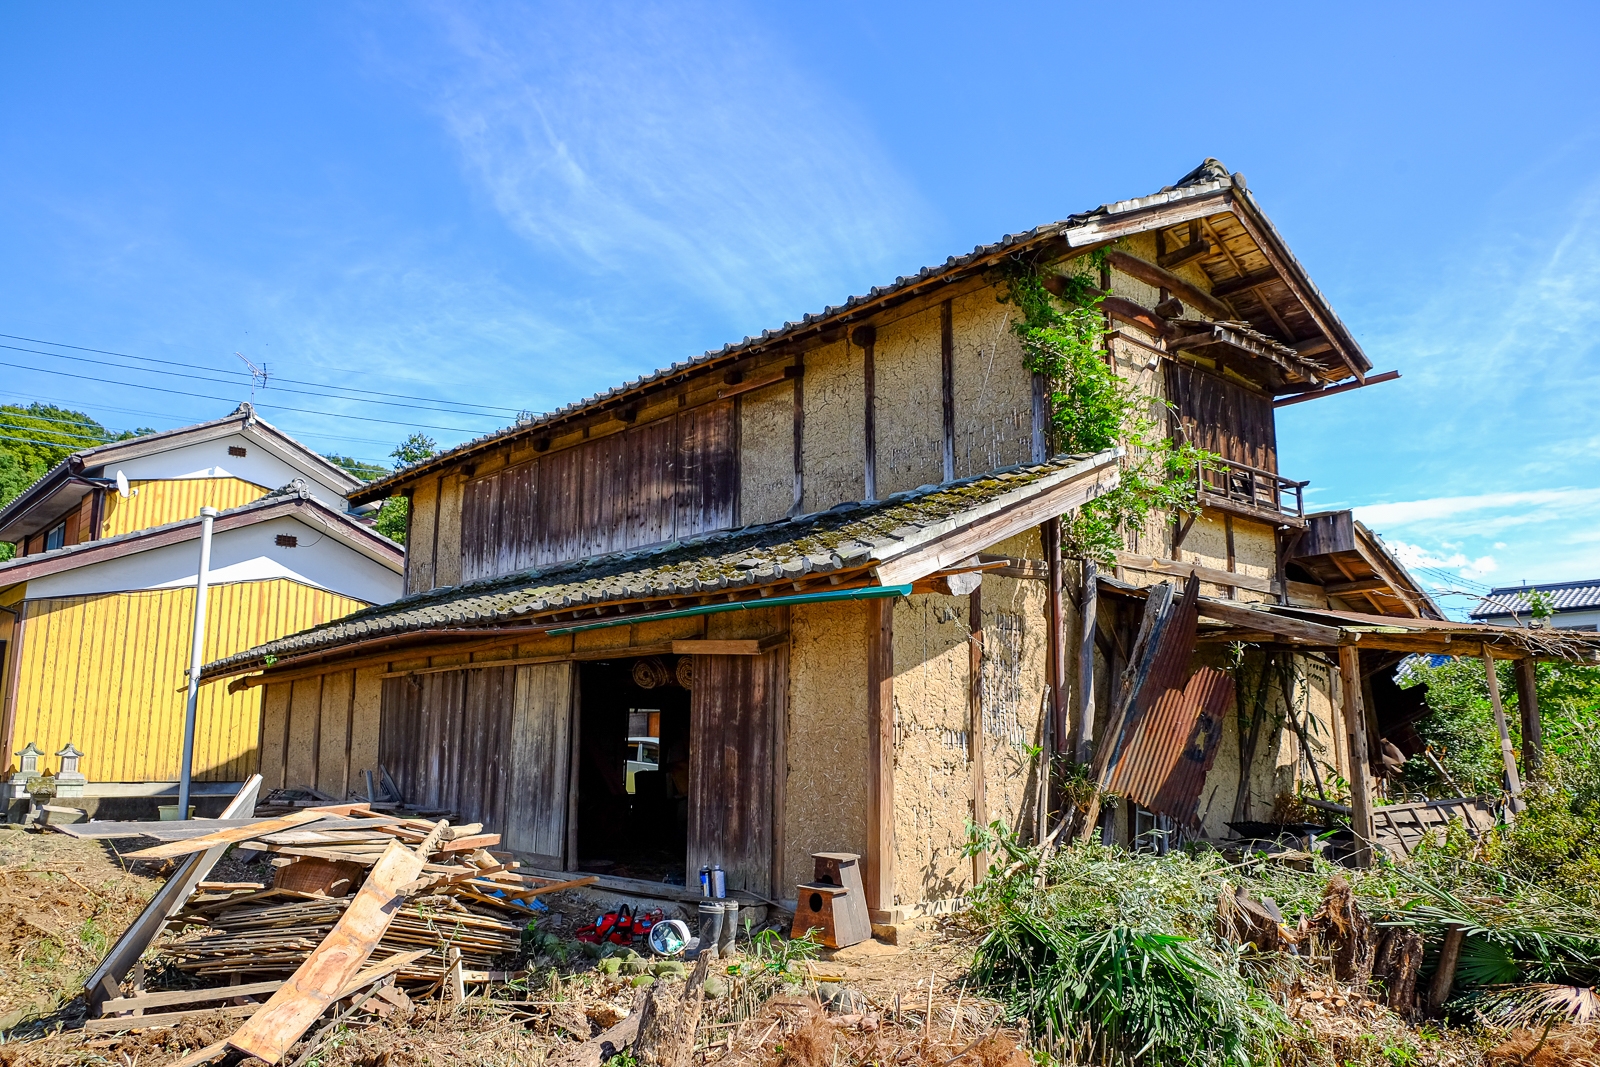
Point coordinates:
pixel 63 433
pixel 199 366
pixel 224 381
pixel 180 420
pixel 228 400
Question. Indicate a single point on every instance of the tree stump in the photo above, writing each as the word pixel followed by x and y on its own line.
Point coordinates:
pixel 1397 964
pixel 1345 931
pixel 670 1018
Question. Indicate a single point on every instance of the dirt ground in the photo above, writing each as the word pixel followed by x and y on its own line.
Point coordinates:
pixel 62 902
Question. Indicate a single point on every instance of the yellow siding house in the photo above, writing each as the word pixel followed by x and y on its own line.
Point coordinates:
pixel 96 611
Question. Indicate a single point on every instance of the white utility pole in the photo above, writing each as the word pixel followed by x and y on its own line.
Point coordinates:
pixel 196 657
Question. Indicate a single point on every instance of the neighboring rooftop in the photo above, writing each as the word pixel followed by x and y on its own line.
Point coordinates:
pixel 1516 600
pixel 74 477
pixel 295 498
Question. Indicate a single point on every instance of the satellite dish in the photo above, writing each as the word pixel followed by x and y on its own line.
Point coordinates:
pixel 122 485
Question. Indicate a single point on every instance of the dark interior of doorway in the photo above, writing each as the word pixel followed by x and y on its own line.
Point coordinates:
pixel 633 769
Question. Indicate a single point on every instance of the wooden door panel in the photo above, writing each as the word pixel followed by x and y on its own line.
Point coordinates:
pixel 737 716
pixel 537 760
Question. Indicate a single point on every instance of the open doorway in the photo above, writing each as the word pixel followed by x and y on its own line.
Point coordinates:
pixel 633 768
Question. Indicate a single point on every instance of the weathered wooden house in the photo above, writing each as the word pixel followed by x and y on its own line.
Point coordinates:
pixel 806 592
pixel 96 610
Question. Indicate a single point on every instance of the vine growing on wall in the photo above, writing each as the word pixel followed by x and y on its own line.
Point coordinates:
pixel 1091 408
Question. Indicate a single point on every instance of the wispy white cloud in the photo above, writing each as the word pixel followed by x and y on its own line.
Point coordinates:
pixel 1516 507
pixel 675 147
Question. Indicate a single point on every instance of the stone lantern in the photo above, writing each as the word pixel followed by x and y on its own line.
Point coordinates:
pixel 27 770
pixel 69 780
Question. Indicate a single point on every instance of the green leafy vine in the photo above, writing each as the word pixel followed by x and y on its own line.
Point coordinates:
pixel 1091 408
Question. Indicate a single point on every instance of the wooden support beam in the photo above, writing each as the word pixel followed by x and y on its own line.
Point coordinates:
pixel 1151 274
pixel 1156 565
pixel 1255 279
pixel 799 434
pixel 866 337
pixel 975 734
pixel 1360 585
pixel 947 379
pixel 1355 725
pixel 1179 256
pixel 1313 394
pixel 879 865
pixel 1055 634
pixel 1532 728
pixel 1507 758
pixel 1124 310
pixel 1089 615
pixel 1313 633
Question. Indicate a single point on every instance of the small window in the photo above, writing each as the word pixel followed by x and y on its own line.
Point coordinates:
pixel 57 537
pixel 286 541
pixel 237 450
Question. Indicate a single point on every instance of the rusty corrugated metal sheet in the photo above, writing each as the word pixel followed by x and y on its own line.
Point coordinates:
pixel 1170 738
pixel 106 672
pixel 172 500
pixel 1165 766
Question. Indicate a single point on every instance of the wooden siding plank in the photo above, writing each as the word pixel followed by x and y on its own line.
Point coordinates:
pixel 537 763
pixel 732 725
pixel 1222 417
pixel 106 674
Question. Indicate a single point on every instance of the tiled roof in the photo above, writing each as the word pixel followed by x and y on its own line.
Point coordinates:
pixel 1210 177
pixel 1564 596
pixel 844 538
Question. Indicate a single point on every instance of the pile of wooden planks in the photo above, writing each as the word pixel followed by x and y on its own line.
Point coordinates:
pixel 361 903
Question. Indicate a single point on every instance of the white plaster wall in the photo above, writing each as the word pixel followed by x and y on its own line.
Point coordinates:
pixel 240 555
pixel 260 465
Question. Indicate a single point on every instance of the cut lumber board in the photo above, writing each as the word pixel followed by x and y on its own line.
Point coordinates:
pixel 170 997
pixel 171 1018
pixel 161 830
pixel 231 835
pixel 166 1018
pixel 121 957
pixel 282 1021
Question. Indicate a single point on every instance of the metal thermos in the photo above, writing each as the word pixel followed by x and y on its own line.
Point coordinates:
pixel 705 882
pixel 719 881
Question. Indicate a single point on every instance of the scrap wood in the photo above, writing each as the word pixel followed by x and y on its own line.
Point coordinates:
pixel 539 890
pixel 107 978
pixel 166 1018
pixel 297 1004
pixel 230 835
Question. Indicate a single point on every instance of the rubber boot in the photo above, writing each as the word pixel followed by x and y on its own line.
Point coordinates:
pixel 710 926
pixel 730 928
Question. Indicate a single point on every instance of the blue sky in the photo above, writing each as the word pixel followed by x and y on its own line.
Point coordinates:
pixel 510 206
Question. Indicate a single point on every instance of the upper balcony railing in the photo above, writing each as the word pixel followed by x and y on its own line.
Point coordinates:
pixel 1231 486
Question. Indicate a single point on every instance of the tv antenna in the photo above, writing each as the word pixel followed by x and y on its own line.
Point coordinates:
pixel 258 376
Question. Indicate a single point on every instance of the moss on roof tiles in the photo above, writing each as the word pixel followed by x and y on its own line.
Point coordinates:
pixel 836 539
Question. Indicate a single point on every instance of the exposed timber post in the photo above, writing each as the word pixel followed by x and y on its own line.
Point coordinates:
pixel 1089 615
pixel 1355 725
pixel 866 338
pixel 880 754
pixel 975 735
pixel 1056 651
pixel 1532 729
pixel 1507 756
pixel 947 383
pixel 799 434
